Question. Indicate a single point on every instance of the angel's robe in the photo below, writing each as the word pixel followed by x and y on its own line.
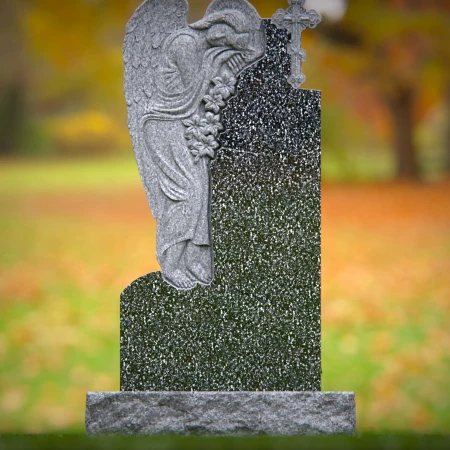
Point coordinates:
pixel 179 195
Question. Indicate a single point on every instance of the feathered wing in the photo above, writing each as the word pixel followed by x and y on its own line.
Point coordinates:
pixel 150 25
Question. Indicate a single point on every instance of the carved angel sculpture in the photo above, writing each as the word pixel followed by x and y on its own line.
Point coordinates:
pixel 177 79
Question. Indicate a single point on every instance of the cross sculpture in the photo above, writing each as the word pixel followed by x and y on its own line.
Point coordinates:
pixel 295 20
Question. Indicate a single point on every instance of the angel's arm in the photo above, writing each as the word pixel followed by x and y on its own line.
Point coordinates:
pixel 185 55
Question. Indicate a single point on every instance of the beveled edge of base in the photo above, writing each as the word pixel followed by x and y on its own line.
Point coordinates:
pixel 240 413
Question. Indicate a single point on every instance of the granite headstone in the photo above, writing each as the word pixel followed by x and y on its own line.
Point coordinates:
pixel 231 346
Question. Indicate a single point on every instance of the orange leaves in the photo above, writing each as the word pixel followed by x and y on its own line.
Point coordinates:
pixel 20 284
pixel 386 301
pixel 382 344
pixel 383 244
pixel 14 399
pixel 71 243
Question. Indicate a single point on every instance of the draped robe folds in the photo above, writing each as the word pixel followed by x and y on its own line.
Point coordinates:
pixel 179 195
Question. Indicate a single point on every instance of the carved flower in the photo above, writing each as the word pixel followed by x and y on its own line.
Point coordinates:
pixel 195 122
pixel 211 124
pixel 213 102
pixel 194 127
pixel 225 86
pixel 203 147
pixel 210 142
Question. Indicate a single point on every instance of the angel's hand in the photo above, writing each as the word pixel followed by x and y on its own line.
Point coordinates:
pixel 223 58
pixel 236 63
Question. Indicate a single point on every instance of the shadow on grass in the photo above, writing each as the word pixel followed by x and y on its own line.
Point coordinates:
pixel 361 441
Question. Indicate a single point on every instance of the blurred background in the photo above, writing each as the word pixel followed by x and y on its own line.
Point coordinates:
pixel 75 228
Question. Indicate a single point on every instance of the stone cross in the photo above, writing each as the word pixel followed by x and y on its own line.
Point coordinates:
pixel 295 20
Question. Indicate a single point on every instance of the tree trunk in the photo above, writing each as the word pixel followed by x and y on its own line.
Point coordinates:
pixel 12 114
pixel 447 128
pixel 400 104
pixel 12 77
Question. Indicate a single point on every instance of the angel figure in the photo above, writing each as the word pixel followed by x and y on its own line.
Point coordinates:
pixel 177 79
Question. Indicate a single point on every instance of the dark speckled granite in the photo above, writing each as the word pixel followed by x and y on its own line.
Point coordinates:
pixel 257 327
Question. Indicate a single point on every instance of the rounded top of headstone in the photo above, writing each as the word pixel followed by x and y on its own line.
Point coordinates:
pixel 240 5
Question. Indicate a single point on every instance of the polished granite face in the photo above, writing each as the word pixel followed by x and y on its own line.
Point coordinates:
pixel 257 327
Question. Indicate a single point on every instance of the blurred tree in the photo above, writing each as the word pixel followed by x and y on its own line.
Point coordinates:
pixel 447 137
pixel 63 61
pixel 75 49
pixel 13 77
pixel 399 48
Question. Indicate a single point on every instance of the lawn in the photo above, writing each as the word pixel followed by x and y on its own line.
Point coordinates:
pixel 74 234
pixel 362 441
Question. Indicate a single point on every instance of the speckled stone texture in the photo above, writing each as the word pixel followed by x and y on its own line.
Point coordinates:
pixel 257 327
pixel 221 413
pixel 236 358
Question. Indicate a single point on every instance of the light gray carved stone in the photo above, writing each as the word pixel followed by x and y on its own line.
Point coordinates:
pixel 295 20
pixel 220 413
pixel 178 78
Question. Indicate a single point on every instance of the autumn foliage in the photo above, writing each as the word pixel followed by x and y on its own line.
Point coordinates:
pixel 74 232
pixel 384 65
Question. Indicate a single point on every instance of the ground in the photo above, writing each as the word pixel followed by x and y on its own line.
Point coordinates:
pixel 73 234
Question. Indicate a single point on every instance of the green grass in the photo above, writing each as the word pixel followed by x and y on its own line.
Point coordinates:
pixel 362 441
pixel 355 166
pixel 41 175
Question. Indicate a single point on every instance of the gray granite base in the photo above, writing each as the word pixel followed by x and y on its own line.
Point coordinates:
pixel 278 413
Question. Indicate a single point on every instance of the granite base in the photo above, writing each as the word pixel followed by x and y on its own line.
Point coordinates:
pixel 277 413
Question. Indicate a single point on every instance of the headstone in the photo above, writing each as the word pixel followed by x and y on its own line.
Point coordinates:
pixel 225 340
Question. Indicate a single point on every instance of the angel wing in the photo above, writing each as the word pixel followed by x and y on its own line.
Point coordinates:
pixel 150 25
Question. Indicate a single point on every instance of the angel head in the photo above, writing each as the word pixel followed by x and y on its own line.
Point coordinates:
pixel 235 24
